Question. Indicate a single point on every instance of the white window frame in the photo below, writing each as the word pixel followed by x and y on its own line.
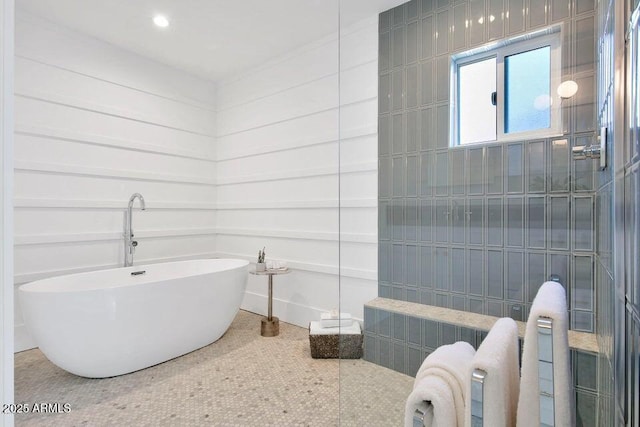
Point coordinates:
pixel 551 36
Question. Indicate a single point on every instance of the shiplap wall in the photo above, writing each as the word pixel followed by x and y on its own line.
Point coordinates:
pixel 95 124
pixel 281 170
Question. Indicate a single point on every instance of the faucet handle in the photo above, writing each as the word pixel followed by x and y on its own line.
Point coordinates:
pixel 134 243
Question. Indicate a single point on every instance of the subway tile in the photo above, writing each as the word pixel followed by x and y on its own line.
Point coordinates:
pixel 536 266
pixel 397 47
pixel 383 323
pixel 384 93
pixel 411 126
pixel 411 10
pixel 427 37
pixel 411 220
pixel 459 28
pixel 516 312
pixel 398 293
pixel 558 222
pixel 468 335
pixel 442 216
pixel 426 6
pixel 476 22
pixel 412 86
pixel 494 170
pixel 397 17
pixel 515 169
pixel 384 225
pixel 398 166
pixel 412 43
pixel 515 13
pixel 441 267
pixel 384 177
pixel 426 174
pixel 585 44
pixel 414 360
pixel 442 80
pixel 369 319
pixel 515 222
pixel 583 170
pixel 476 272
pixel 442 173
pixel 558 264
pixel 397 90
pixel 458 302
pixel 536 167
pixel 583 6
pixel 515 276
pixel 476 305
pixel 412 295
pixel 495 308
pixel 476 171
pixel 584 101
pixel 496 19
pixel 384 135
pixel 448 333
pixel 399 323
pixel 426 267
pixel 384 261
pixel 536 230
pixel 384 291
pixel 426 220
pixel 457 171
pixel 426 297
pixel 582 291
pixel 475 219
pixel 443 3
pixel 559 165
pixel 585 370
pixel 414 331
pixel 384 356
pixel 427 130
pixel 369 353
pixel 431 335
pixel 384 52
pixel 560 10
pixel 583 223
pixel 537 13
pixel 397 265
pixel 458 218
pixel 426 82
pixel 384 21
pixel 442 32
pixel 494 221
pixel 458 265
pixel 412 176
pixel 586 404
pixel 397 219
pixel 495 276
pixel 442 126
pixel 412 265
pixel 397 134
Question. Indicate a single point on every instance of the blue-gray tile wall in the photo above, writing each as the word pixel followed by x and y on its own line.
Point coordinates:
pixel 478 228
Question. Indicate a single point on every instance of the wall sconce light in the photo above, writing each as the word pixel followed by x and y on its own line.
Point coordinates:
pixel 567 89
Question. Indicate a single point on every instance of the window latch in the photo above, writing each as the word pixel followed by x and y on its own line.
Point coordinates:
pixel 494 98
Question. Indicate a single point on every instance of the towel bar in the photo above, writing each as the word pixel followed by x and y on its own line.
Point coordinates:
pixel 477 397
pixel 545 371
pixel 418 416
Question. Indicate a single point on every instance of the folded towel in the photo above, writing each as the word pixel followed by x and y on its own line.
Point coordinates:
pixel 315 328
pixel 335 323
pixel 551 302
pixel 432 395
pixel 498 357
pixel 334 315
pixel 449 364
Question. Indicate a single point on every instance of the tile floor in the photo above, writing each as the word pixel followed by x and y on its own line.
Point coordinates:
pixel 241 380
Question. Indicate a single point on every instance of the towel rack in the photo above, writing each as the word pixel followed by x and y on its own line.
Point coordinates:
pixel 545 371
pixel 477 397
pixel 418 416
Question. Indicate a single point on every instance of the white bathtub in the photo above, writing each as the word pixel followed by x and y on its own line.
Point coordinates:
pixel 107 323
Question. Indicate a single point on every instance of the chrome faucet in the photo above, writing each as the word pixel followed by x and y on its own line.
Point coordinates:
pixel 129 243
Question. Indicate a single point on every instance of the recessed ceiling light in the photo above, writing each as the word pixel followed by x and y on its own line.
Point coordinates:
pixel 161 21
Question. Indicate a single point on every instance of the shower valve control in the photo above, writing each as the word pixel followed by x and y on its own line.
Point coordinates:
pixel 595 151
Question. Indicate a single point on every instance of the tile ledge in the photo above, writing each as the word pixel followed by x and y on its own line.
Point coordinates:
pixel 583 341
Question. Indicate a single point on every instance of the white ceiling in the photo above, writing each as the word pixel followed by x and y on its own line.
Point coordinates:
pixel 209 38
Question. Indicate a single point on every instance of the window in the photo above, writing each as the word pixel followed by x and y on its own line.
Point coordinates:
pixel 503 92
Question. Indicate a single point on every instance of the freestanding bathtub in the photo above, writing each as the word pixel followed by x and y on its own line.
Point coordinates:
pixel 112 322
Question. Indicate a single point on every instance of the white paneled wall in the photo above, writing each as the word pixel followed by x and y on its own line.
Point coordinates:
pixel 95 124
pixel 281 171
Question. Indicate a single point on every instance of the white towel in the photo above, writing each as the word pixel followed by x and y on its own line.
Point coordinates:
pixel 498 357
pixel 335 319
pixel 549 302
pixel 315 328
pixel 433 396
pixel 448 368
